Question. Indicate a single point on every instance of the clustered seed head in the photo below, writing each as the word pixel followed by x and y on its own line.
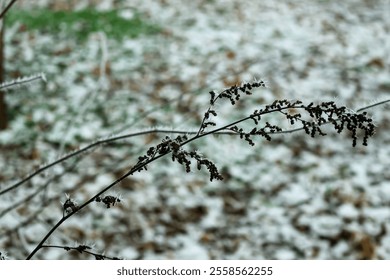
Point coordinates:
pixel 353 122
pixel 80 248
pixel 325 112
pixel 69 206
pixel 85 249
pixel 180 155
pixel 340 118
pixel 233 93
pixel 184 157
pixel 316 116
pixel 108 200
pixel 99 257
pixel 264 132
pixel 166 146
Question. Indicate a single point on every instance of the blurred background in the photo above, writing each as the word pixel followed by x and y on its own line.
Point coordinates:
pixel 116 67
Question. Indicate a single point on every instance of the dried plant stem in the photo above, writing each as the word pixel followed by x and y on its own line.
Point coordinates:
pixel 169 146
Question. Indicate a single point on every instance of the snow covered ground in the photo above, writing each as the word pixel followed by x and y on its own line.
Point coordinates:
pixel 292 198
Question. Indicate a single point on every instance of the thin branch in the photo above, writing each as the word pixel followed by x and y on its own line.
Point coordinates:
pixel 82 249
pixel 7 8
pixel 91 146
pixel 39 190
pixel 373 105
pixel 22 81
pixel 93 198
pixel 32 218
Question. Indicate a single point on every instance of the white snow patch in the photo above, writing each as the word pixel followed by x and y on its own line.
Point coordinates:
pixel 128 253
pixel 380 214
pixel 384 191
pixel 126 14
pixel 284 254
pixel 340 249
pixel 372 228
pixel 191 249
pixel 348 211
pixel 214 216
pixel 326 225
pixel 294 195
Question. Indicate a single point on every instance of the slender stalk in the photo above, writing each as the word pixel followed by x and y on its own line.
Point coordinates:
pixel 3 104
pixel 7 8
pixel 81 249
pixel 93 198
pixel 91 146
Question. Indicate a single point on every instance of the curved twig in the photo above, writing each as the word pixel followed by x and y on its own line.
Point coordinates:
pixel 91 146
pixel 7 8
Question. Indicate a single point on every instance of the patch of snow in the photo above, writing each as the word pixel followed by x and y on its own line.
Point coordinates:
pixel 379 214
pixel 214 216
pixel 294 195
pixel 326 225
pixel 126 14
pixel 372 228
pixel 190 249
pixel 348 211
pixel 128 253
pixel 340 250
pixel 384 191
pixel 285 254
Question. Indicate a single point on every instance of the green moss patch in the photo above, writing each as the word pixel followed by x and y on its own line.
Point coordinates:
pixel 81 23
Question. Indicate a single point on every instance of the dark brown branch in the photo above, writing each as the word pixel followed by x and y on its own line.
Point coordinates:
pixel 7 8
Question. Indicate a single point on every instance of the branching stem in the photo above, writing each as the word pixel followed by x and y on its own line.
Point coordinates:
pixel 333 114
